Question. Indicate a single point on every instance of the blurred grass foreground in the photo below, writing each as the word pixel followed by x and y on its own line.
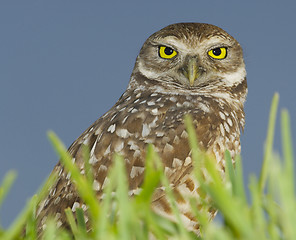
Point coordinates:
pixel 269 214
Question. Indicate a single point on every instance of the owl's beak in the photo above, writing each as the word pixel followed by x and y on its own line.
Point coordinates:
pixel 191 71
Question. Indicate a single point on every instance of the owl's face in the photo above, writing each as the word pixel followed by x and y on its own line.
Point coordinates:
pixel 192 55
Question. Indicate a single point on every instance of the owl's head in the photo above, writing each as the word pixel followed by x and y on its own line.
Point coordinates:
pixel 190 56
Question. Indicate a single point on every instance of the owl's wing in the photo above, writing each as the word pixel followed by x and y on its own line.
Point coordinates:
pixel 127 128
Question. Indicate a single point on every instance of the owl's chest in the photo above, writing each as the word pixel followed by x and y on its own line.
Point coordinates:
pixel 159 120
pixel 159 117
pixel 156 119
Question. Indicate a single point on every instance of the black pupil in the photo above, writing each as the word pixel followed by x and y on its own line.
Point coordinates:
pixel 168 51
pixel 217 51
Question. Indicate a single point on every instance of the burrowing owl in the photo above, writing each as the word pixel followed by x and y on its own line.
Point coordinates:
pixel 185 68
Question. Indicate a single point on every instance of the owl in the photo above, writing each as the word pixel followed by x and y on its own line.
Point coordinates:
pixel 185 68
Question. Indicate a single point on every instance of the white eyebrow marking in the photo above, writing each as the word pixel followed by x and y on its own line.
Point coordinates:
pixel 176 44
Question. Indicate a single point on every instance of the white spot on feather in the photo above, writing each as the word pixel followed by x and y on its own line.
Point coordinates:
pixel 222 130
pixel 123 133
pixel 93 159
pixel 86 139
pixel 84 207
pixel 107 150
pixel 133 145
pixel 203 107
pixel 137 153
pixel 106 181
pixel 57 216
pixel 150 103
pixel 93 148
pixel 159 134
pixel 119 146
pixel 177 163
pixel 57 200
pixel 176 140
pixel 229 122
pixel 124 120
pixel 222 115
pixel 46 202
pixel 149 140
pixel 135 171
pixel 111 128
pixel 187 161
pixel 59 223
pixel 134 192
pixel 168 171
pixel 96 185
pixel 100 136
pixel 75 205
pixel 102 168
pixel 173 99
pixel 184 134
pixel 168 148
pixel 68 176
pixel 153 123
pixel 52 192
pixel 113 117
pixel 226 127
pixel 122 109
pixel 145 130
pixel 154 111
pixel 187 104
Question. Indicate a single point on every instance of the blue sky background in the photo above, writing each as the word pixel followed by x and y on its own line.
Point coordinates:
pixel 64 63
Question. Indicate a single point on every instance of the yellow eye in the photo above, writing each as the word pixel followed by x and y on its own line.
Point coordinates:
pixel 166 52
pixel 218 53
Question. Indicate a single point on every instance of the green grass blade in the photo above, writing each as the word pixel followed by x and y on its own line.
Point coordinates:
pixel 83 187
pixel 269 141
pixel 103 224
pixel 258 220
pixel 193 142
pixel 87 166
pixel 201 214
pixel 6 185
pixel 235 176
pixel 125 211
pixel 183 233
pixel 229 169
pixel 287 146
pixel 31 226
pixel 50 232
pixel 17 226
pixel 81 221
pixel 153 172
pixel 72 223
pixel 239 181
pixel 152 177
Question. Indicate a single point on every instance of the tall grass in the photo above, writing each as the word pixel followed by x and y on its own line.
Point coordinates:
pixel 270 214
